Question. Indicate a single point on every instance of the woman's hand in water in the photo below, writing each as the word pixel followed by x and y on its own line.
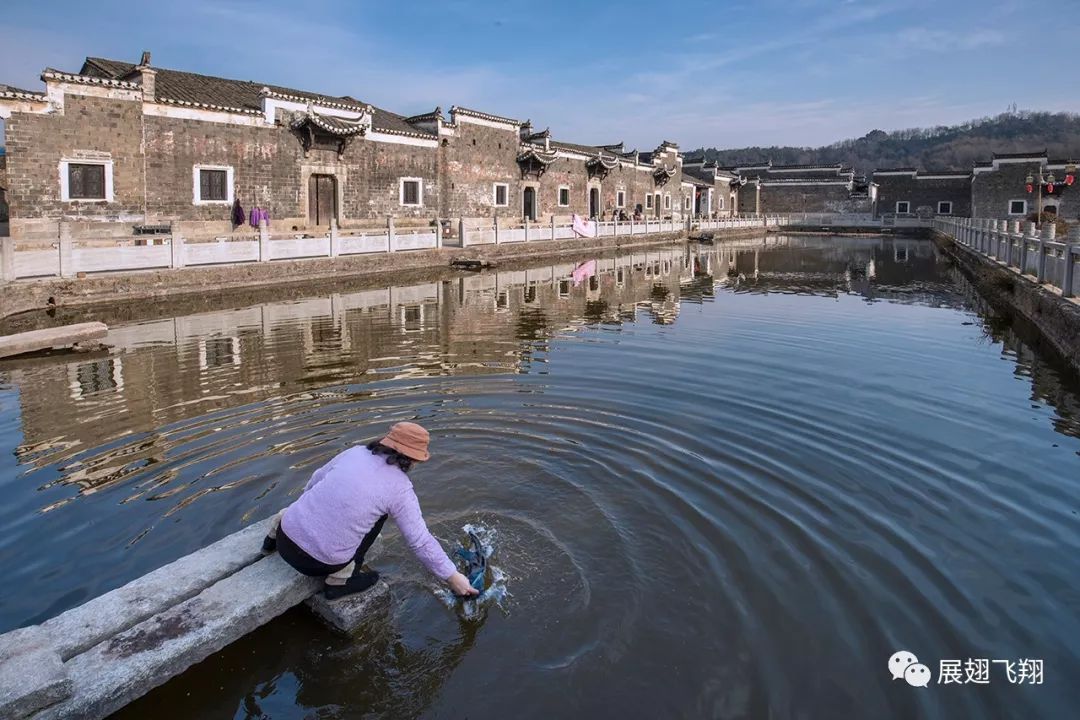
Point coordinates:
pixel 459 584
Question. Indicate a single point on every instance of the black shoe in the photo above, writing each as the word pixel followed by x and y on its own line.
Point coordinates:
pixel 269 545
pixel 358 582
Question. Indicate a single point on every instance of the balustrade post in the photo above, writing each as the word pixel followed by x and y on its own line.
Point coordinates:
pixel 496 224
pixel 391 234
pixel 1032 233
pixel 1071 240
pixel 335 239
pixel 7 259
pixel 461 231
pixel 552 227
pixel 1023 247
pixel 264 241
pixel 176 250
pixel 526 229
pixel 67 267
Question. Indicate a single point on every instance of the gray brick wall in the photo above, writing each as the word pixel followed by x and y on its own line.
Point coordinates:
pixel 992 191
pixel 37 143
pixel 923 195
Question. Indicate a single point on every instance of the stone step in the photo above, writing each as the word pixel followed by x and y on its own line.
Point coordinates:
pixel 49 338
pixel 92 660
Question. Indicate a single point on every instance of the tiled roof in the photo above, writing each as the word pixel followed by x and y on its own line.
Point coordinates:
pixel 590 150
pixel 949 173
pixel 484 115
pixel 1020 155
pixel 696 173
pixel 191 88
pixel 8 89
pixel 815 166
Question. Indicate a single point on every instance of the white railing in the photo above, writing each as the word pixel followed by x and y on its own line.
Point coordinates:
pixel 1034 254
pixel 68 257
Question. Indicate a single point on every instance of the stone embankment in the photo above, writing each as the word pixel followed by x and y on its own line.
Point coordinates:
pixel 94 659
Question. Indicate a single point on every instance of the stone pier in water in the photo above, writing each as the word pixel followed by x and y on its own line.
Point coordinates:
pixel 94 659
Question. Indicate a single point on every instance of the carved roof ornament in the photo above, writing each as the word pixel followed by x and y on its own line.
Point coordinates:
pixel 600 165
pixel 535 160
pixel 310 125
pixel 662 174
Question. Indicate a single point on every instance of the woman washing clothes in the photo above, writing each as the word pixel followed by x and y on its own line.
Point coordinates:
pixel 328 531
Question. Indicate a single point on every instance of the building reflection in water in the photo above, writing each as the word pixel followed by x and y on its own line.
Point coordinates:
pixel 104 418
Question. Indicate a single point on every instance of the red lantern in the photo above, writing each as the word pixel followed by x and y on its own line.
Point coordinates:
pixel 1070 179
pixel 1050 188
pixel 1030 189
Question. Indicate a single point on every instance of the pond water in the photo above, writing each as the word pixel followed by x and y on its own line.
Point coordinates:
pixel 723 481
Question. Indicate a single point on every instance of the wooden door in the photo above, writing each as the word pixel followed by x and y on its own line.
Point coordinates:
pixel 322 199
pixel 528 202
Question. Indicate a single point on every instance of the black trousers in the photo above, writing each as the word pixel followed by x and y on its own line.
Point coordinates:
pixel 304 564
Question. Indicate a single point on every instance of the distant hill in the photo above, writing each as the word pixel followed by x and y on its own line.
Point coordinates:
pixel 955 147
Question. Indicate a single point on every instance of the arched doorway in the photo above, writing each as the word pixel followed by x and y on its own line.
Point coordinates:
pixel 594 202
pixel 322 199
pixel 528 203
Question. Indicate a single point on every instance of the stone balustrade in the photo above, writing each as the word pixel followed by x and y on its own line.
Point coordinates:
pixel 1034 253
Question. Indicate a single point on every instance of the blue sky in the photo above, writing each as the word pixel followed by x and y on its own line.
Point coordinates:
pixel 699 72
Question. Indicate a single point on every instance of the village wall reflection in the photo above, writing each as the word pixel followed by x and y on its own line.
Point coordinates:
pixel 159 373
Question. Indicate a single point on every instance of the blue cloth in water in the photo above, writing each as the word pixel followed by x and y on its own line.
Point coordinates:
pixel 475 562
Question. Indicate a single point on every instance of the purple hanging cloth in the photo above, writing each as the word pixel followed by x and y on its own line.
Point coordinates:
pixel 258 215
pixel 238 214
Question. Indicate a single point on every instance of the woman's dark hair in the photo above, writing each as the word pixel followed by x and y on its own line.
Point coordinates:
pixel 393 457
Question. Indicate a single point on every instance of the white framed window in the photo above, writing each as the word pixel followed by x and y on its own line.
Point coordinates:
pixel 212 184
pixel 667 201
pixel 500 194
pixel 719 202
pixel 903 207
pixel 411 192
pixel 86 181
pixel 564 196
pixel 620 199
pixel 944 207
pixel 686 202
pixel 1018 207
pixel 648 201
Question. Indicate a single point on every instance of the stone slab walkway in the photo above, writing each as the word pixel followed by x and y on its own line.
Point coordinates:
pixel 94 659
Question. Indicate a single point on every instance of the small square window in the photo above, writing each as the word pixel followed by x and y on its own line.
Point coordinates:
pixel 86 181
pixel 620 199
pixel 213 184
pixel 564 288
pixel 502 195
pixel 564 196
pixel 648 201
pixel 1018 207
pixel 944 208
pixel 411 191
pixel 903 207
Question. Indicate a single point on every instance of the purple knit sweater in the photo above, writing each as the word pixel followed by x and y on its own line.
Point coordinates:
pixel 343 500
